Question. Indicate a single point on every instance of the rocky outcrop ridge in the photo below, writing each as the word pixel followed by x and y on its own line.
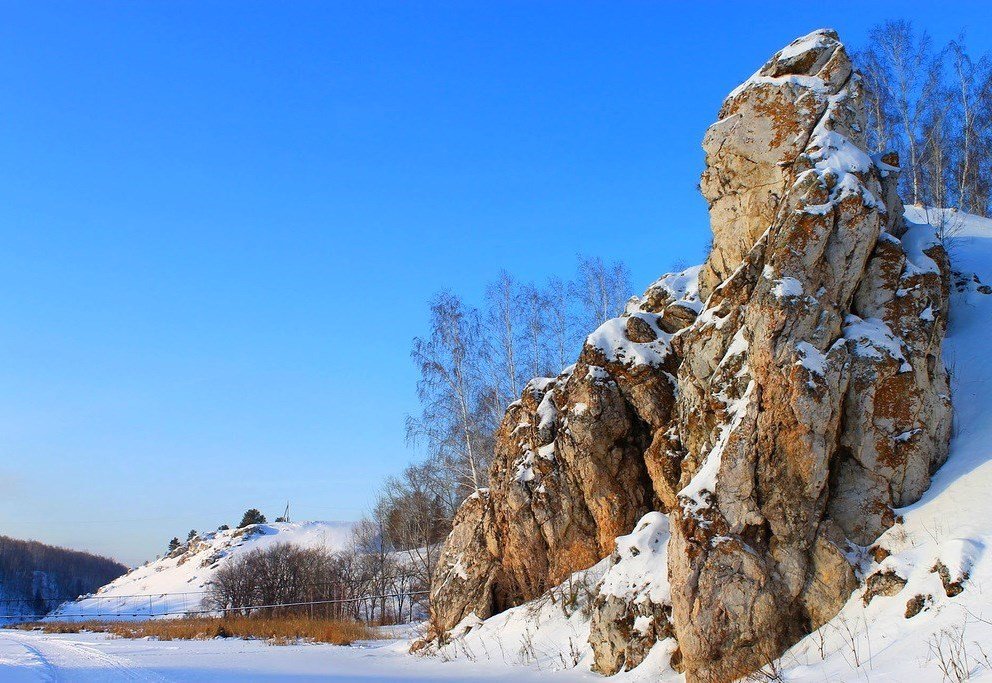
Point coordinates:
pixel 812 393
pixel 776 424
pixel 569 473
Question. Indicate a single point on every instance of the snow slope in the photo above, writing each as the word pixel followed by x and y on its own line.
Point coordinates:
pixel 951 524
pixel 175 584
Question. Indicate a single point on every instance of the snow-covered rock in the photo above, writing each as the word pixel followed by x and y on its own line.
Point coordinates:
pixel 777 404
pixel 632 610
pixel 794 452
pixel 569 472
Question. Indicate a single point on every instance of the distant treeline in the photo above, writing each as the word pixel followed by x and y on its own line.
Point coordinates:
pixel 35 578
pixel 365 582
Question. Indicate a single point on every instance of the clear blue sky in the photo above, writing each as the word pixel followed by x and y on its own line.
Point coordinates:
pixel 220 222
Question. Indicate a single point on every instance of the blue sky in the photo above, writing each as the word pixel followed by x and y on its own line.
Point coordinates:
pixel 221 222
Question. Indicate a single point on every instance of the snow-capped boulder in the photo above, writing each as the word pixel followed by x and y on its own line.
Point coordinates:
pixel 632 610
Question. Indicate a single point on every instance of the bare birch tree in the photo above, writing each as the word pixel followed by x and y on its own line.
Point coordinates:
pixel 451 390
pixel 503 332
pixel 533 308
pixel 560 323
pixel 416 518
pixel 935 151
pixel 907 75
pixel 601 289
pixel 472 365
pixel 970 91
pixel 878 103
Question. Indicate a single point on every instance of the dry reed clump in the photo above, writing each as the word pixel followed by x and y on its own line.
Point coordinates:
pixel 277 630
pixel 57 626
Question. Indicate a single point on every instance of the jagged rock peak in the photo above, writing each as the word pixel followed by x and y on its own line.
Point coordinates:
pixel 753 421
pixel 793 399
pixel 763 127
pixel 804 56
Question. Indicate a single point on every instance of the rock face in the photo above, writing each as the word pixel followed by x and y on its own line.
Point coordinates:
pixel 812 394
pixel 777 424
pixel 569 473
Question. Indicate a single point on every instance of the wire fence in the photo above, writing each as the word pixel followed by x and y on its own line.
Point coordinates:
pixel 192 604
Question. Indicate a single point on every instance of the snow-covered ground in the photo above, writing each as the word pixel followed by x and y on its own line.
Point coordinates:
pixel 34 656
pixel 176 583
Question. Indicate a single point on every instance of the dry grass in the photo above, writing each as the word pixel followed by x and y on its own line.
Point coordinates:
pixel 276 630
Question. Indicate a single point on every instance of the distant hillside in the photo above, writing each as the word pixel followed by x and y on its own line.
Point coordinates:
pixel 35 577
pixel 176 584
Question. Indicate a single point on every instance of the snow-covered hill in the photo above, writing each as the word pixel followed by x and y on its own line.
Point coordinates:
pixel 176 583
pixel 933 609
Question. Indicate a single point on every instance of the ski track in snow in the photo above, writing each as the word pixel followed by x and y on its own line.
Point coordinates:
pixel 60 658
pixel 18 665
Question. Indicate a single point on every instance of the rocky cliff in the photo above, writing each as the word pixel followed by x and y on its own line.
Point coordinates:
pixel 749 424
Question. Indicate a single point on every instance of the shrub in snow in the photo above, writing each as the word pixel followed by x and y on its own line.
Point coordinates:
pixel 252 516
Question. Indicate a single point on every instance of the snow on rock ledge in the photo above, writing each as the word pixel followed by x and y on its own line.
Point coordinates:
pixel 632 610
